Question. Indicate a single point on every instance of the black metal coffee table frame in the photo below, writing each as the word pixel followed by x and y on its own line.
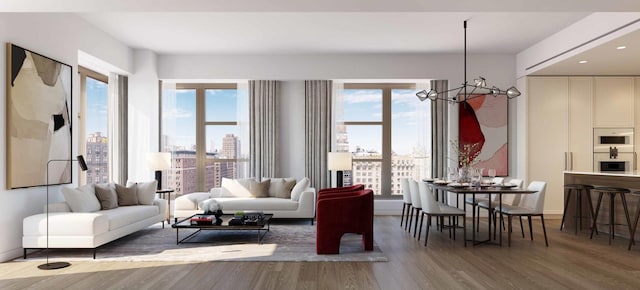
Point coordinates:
pixel 262 227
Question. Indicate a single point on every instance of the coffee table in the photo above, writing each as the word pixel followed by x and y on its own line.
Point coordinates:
pixel 262 226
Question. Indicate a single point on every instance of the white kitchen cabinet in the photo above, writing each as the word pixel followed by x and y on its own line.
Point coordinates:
pixel 614 102
pixel 559 132
pixel 580 152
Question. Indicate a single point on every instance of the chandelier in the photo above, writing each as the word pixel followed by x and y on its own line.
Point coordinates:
pixel 478 88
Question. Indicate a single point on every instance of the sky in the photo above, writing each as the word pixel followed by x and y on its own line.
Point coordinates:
pixel 220 106
pixel 408 116
pixel 359 105
pixel 96 116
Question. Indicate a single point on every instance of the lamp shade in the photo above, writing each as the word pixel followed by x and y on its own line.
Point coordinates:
pixel 339 161
pixel 159 160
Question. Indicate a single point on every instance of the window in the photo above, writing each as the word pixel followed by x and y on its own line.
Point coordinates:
pixel 93 131
pixel 387 130
pixel 200 128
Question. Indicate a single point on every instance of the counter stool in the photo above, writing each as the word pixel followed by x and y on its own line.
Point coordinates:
pixel 635 221
pixel 611 192
pixel 579 190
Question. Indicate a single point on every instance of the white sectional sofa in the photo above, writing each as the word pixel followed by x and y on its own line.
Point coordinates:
pixel 78 223
pixel 281 200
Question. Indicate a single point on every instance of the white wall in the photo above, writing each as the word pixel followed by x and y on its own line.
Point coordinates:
pixel 144 122
pixel 58 36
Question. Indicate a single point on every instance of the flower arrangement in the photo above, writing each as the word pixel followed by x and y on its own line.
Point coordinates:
pixel 467 153
pixel 211 206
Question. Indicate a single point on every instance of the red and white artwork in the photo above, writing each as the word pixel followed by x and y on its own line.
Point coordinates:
pixel 484 119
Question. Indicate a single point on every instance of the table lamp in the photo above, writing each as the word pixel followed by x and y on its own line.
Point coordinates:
pixel 158 161
pixel 339 161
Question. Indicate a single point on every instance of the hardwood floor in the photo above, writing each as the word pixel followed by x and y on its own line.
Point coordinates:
pixel 570 262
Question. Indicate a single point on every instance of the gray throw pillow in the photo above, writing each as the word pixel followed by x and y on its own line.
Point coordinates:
pixel 259 189
pixel 146 191
pixel 281 187
pixel 127 195
pixel 107 196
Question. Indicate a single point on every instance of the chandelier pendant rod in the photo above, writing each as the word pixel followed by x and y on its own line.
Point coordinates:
pixel 465 60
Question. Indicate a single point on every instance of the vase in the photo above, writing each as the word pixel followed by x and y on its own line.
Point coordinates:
pixel 464 174
pixel 218 213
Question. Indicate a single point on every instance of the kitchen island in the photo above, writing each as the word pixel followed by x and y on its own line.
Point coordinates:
pixel 630 180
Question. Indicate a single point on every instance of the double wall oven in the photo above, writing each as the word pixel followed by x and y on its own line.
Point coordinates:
pixel 613 150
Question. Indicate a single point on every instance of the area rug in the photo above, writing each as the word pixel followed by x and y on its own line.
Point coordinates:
pixel 284 242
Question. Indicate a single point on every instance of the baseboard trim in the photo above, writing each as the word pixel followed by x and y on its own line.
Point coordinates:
pixel 10 255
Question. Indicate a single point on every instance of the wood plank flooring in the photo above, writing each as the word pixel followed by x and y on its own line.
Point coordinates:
pixel 570 262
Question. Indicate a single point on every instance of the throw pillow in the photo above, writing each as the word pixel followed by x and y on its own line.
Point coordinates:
pixel 236 187
pixel 259 189
pixel 79 200
pixel 146 191
pixel 300 187
pixel 107 196
pixel 281 187
pixel 127 195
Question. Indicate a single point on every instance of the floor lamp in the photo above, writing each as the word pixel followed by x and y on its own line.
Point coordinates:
pixel 339 161
pixel 158 161
pixel 57 265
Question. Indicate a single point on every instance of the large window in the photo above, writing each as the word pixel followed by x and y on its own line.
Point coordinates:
pixel 200 128
pixel 94 133
pixel 387 130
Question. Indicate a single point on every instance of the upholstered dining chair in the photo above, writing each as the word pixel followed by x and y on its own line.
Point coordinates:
pixel 530 205
pixel 406 198
pixel 415 205
pixel 481 201
pixel 430 208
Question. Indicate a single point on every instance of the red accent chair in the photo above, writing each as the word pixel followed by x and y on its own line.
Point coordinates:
pixel 343 212
pixel 341 189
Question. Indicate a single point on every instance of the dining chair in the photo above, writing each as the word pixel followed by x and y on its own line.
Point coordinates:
pixel 415 205
pixel 481 199
pixel 406 198
pixel 507 199
pixel 431 207
pixel 530 205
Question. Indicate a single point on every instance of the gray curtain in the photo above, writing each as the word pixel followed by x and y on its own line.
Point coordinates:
pixel 318 127
pixel 440 136
pixel 118 110
pixel 263 128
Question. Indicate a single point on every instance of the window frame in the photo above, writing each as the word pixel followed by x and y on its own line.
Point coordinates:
pixel 202 124
pixel 85 73
pixel 386 124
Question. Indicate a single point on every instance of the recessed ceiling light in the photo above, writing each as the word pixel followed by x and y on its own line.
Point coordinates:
pixel 583 61
pixel 621 47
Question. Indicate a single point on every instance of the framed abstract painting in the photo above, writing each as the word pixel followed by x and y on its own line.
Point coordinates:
pixel 38 123
pixel 483 119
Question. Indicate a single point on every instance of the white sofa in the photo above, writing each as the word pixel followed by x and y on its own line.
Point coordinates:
pixel 73 224
pixel 300 202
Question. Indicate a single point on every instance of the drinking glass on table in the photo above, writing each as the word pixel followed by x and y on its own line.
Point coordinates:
pixel 492 174
pixel 453 174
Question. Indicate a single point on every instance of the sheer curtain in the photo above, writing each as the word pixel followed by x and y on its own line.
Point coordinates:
pixel 423 117
pixel 243 129
pixel 318 128
pixel 118 122
pixel 263 131
pixel 440 127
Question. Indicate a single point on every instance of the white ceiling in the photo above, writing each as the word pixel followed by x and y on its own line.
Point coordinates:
pixel 330 32
pixel 342 26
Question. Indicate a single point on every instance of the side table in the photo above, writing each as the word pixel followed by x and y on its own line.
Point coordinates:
pixel 161 193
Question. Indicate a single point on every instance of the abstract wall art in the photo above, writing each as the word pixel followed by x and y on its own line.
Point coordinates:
pixel 38 123
pixel 484 119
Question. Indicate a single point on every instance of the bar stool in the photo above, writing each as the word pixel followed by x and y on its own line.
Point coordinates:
pixel 635 221
pixel 611 192
pixel 579 190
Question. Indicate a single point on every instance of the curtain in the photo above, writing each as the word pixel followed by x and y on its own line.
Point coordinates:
pixel 243 129
pixel 263 131
pixel 118 122
pixel 318 128
pixel 439 127
pixel 423 119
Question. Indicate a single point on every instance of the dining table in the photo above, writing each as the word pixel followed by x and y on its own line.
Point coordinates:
pixel 489 190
